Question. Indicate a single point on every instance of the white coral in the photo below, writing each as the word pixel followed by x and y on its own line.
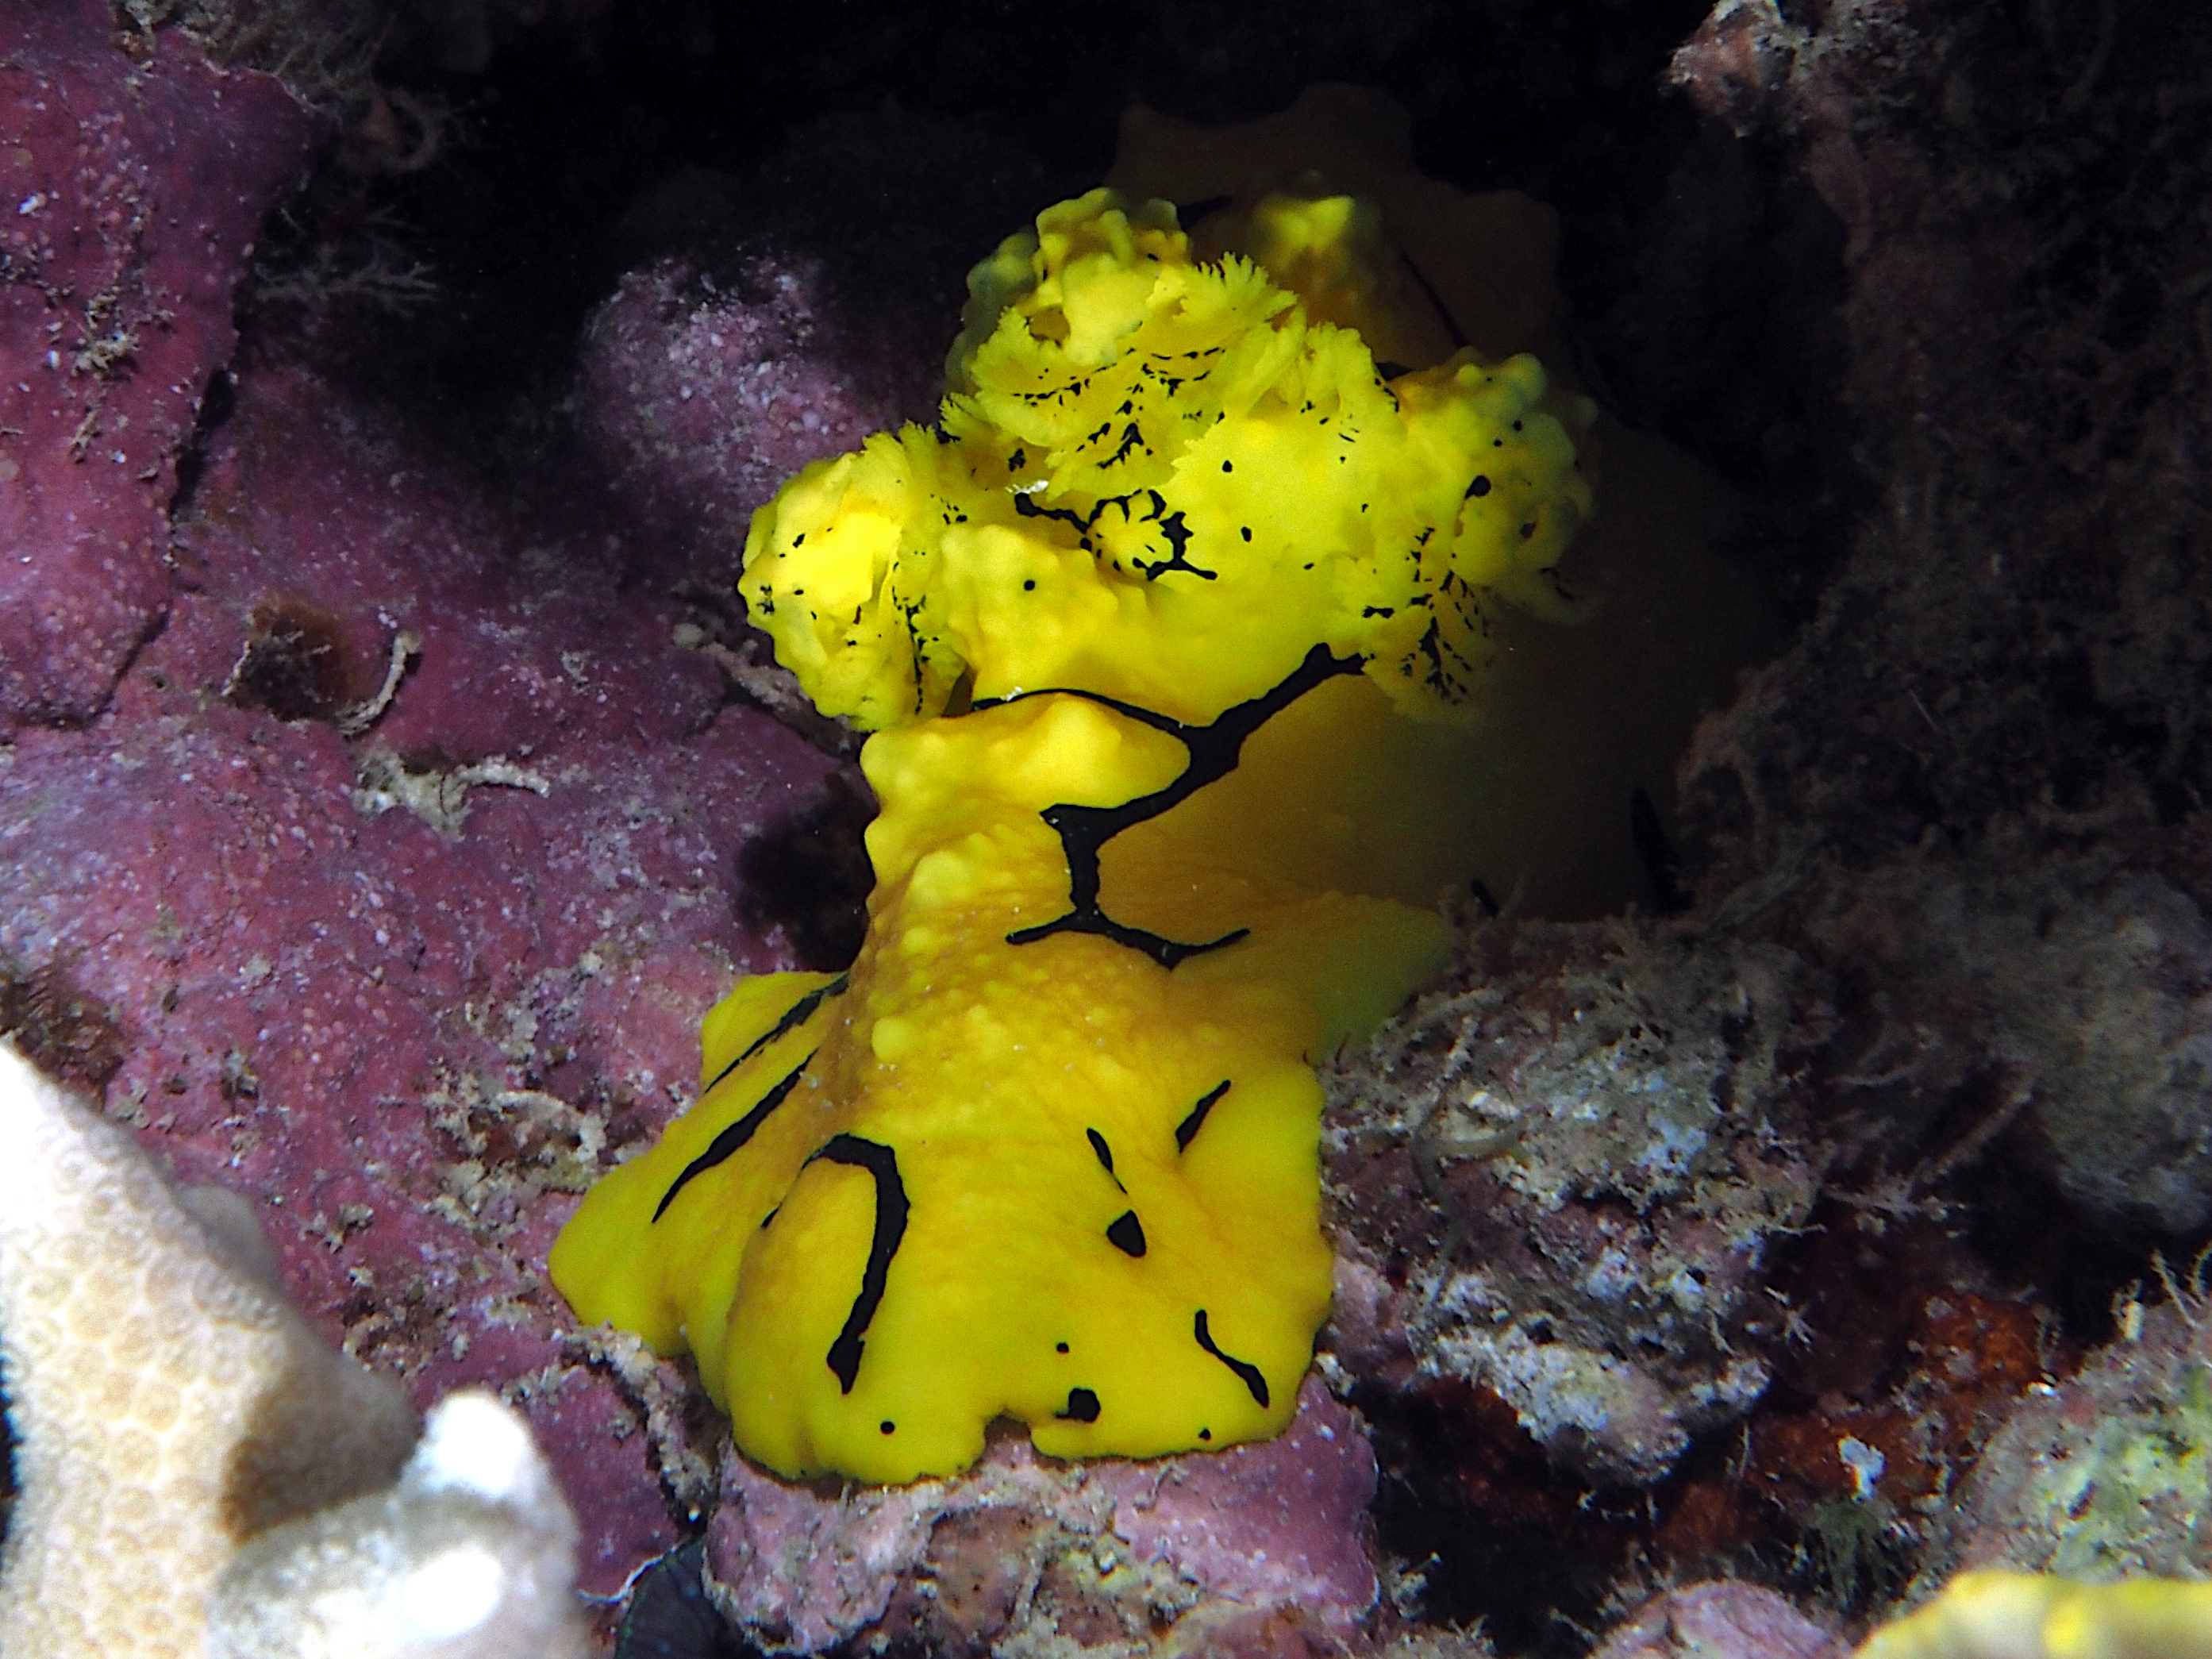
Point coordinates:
pixel 199 1477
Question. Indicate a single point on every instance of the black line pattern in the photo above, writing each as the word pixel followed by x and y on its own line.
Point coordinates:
pixel 723 1144
pixel 1186 1131
pixel 1214 749
pixel 1142 507
pixel 1103 1153
pixel 796 1016
pixel 1245 1368
pixel 882 1163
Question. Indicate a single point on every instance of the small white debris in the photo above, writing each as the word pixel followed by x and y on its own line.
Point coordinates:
pixel 1865 1463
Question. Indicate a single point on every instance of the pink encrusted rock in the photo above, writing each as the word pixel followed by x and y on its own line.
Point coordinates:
pixel 1721 1619
pixel 1277 1523
pixel 405 979
pixel 314 520
pixel 703 394
pixel 130 193
pixel 1578 1210
pixel 790 314
pixel 1262 1546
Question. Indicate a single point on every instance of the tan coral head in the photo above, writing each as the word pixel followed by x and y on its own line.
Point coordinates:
pixel 198 1474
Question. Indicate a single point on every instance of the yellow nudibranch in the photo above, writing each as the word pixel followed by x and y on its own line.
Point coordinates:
pixel 1160 633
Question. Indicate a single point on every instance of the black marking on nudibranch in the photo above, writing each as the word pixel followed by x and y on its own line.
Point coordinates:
pixel 1186 1131
pixel 1082 1407
pixel 1214 749
pixel 1126 1234
pixel 1178 538
pixel 1105 1155
pixel 794 1017
pixel 881 1163
pixel 735 1136
pixel 1173 530
pixel 1245 1369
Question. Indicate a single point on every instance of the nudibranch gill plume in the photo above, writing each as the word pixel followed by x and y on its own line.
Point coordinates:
pixel 1166 634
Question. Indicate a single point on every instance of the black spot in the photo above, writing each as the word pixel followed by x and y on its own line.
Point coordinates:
pixel 1479 488
pixel 1030 587
pixel 1225 467
pixel 1098 1145
pixel 1060 1347
pixel 1206 1434
pixel 1247 531
pixel 1082 1406
pixel 1245 1370
pixel 735 1136
pixel 1186 1131
pixel 886 1426
pixel 1126 1234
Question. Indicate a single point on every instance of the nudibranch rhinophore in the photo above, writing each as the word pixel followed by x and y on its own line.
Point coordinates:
pixel 1161 633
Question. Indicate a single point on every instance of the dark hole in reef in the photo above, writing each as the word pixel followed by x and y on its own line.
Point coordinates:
pixel 567 125
pixel 1656 854
pixel 670 1616
pixel 1510 1539
pixel 293 665
pixel 1879 1305
pixel 216 401
pixel 808 874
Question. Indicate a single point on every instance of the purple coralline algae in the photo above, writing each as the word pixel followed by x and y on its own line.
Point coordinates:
pixel 378 814
pixel 1259 1549
pixel 402 858
pixel 1723 1620
pixel 131 191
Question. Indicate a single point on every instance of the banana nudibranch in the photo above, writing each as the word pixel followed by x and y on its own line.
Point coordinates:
pixel 1168 635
